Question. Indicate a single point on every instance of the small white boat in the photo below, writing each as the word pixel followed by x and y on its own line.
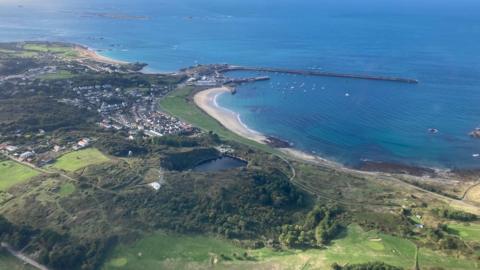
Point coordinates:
pixel 347 94
pixel 476 155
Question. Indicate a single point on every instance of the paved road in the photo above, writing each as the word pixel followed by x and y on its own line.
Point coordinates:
pixel 23 257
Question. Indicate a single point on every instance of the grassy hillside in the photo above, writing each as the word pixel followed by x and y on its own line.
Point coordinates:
pixel 168 251
pixel 254 217
pixel 467 231
pixel 12 173
pixel 79 159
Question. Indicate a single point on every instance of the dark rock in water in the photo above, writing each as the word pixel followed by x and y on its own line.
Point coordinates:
pixel 375 166
pixel 475 133
pixel 433 130
pixel 277 143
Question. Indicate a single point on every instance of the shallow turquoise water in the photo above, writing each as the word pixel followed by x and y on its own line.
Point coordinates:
pixel 433 41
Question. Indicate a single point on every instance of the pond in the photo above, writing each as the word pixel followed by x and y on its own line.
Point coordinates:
pixel 220 164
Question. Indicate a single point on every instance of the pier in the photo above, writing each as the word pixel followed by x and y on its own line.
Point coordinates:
pixel 247 80
pixel 322 74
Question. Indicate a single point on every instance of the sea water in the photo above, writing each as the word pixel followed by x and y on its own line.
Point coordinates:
pixel 346 120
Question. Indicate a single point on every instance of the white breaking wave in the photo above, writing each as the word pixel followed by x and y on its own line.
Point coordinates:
pixel 237 115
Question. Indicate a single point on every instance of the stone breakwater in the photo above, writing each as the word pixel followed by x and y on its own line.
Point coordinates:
pixel 323 74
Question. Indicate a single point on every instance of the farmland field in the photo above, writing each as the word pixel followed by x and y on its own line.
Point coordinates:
pixel 79 159
pixel 12 173
pixel 56 49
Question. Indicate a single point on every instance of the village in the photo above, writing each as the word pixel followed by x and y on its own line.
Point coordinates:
pixel 120 100
pixel 119 107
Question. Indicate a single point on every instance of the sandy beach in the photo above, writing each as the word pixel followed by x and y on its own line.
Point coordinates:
pixel 91 54
pixel 206 100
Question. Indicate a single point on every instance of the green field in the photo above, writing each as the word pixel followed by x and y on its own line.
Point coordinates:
pixel 176 103
pixel 467 231
pixel 12 173
pixel 7 51
pixel 163 251
pixel 79 159
pixel 359 247
pixel 56 49
pixel 160 250
pixel 59 75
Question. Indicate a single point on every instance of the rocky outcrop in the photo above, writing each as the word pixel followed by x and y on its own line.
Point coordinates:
pixel 475 133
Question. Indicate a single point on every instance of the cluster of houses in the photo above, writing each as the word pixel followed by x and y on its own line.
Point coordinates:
pixel 156 123
pixel 132 109
pixel 41 156
pixel 15 151
pixel 151 123
pixel 83 143
pixel 207 81
pixel 30 74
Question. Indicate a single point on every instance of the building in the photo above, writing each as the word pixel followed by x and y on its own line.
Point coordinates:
pixel 155 185
pixel 11 148
pixel 206 82
pixel 26 155
pixel 57 148
pixel 83 143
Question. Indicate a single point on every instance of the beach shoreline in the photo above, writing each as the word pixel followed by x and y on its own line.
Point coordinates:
pixel 89 53
pixel 206 100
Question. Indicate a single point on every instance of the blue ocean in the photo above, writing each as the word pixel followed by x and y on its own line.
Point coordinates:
pixel 346 120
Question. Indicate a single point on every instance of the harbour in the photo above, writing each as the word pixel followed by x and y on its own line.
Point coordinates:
pixel 323 74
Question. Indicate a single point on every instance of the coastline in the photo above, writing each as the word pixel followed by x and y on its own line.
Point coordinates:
pixel 89 53
pixel 206 101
